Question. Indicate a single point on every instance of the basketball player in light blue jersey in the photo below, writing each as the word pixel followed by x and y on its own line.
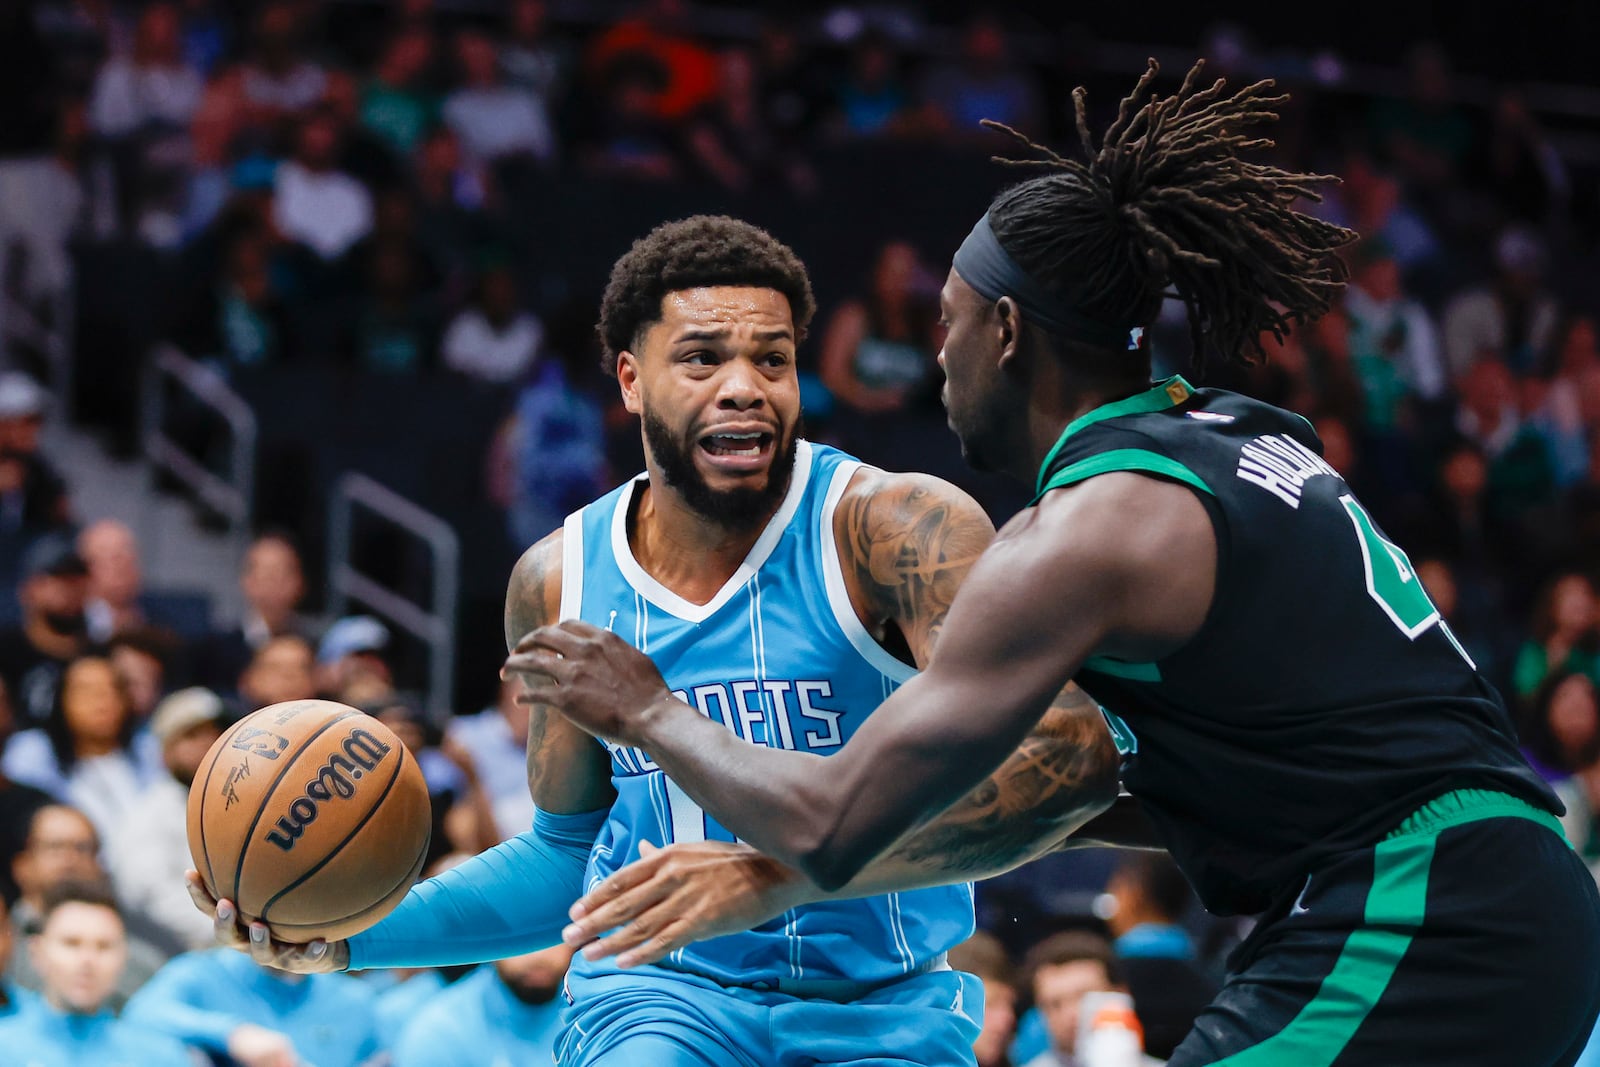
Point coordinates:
pixel 785 590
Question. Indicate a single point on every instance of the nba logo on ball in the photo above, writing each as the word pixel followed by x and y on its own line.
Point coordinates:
pixel 311 817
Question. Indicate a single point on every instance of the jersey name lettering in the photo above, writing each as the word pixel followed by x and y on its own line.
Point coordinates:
pixel 767 711
pixel 1281 465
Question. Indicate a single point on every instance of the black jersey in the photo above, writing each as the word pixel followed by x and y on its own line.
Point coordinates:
pixel 1323 699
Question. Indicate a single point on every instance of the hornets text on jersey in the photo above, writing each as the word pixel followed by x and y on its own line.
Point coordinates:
pixel 780 658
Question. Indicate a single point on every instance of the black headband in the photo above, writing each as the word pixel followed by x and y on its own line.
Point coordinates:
pixel 992 273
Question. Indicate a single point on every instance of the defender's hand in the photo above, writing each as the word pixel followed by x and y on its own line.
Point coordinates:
pixel 592 676
pixel 676 895
pixel 314 957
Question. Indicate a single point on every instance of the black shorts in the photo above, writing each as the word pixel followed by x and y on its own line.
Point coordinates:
pixel 1469 937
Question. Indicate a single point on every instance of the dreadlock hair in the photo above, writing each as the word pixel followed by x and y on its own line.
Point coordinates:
pixel 699 251
pixel 1167 200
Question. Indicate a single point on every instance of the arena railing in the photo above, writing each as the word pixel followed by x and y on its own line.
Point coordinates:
pixel 434 624
pixel 230 494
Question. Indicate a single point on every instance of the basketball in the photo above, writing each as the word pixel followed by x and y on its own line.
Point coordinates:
pixel 311 817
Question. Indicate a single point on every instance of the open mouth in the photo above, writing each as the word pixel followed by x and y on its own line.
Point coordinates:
pixel 738 449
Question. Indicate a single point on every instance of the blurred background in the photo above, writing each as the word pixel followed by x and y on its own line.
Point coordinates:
pixel 297 304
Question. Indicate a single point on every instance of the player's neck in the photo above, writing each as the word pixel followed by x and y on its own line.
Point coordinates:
pixel 1062 403
pixel 682 549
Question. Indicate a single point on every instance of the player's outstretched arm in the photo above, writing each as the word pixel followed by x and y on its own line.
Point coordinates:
pixel 514 897
pixel 1121 564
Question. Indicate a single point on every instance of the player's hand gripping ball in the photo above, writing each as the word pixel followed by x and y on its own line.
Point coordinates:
pixel 310 817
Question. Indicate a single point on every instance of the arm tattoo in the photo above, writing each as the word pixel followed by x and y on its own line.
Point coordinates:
pixel 1063 774
pixel 567 771
pixel 912 546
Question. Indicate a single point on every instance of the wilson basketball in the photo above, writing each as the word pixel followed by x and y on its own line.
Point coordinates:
pixel 310 817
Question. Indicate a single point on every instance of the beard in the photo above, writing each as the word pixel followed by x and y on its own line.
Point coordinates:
pixel 732 509
pixel 987 430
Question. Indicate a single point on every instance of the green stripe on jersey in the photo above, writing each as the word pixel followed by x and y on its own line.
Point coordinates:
pixel 1158 397
pixel 1122 459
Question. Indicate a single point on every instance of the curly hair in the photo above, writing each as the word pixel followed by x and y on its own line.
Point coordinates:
pixel 698 251
pixel 1166 199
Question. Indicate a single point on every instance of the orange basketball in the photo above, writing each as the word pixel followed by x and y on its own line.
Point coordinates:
pixel 310 817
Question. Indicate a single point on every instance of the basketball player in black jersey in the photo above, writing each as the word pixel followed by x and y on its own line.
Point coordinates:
pixel 1298 723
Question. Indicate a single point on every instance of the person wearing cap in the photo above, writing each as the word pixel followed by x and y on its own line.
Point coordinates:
pixel 1513 318
pixel 53 630
pixel 33 497
pixel 149 852
pixel 350 661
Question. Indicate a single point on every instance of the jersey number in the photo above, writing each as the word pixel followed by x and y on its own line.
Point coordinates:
pixel 1392 581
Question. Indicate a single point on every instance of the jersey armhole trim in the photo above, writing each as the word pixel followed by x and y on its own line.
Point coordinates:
pixel 844 612
pixel 572 566
pixel 1124 459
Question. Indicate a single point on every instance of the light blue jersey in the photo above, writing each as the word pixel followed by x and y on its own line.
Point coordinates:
pixel 779 657
pixel 41 1036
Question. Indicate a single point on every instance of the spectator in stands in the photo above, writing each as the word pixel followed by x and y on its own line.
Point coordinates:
pixel 316 203
pixel 1565 634
pixel 33 497
pixel 1394 348
pixel 1521 470
pixel 53 629
pixel 504 1012
pixel 89 753
pixel 111 553
pixel 1370 200
pixel 531 61
pixel 278 82
pixel 493 339
pixel 222 1002
pixel 550 455
pixel 149 851
pixel 983 955
pixel 351 663
pixel 395 326
pixel 240 317
pixel 80 953
pixel 62 848
pixel 495 120
pixel 654 38
pixel 1156 954
pixel 872 99
pixel 984 84
pixel 1063 969
pixel 496 740
pixel 1560 729
pixel 280 670
pixel 142 657
pixel 1520 168
pixel 793 98
pixel 396 105
pixel 463 820
pixel 273 585
pixel 394 228
pixel 143 103
pixel 877 349
pixel 626 136
pixel 1426 136
pixel 18 802
pixel 1513 319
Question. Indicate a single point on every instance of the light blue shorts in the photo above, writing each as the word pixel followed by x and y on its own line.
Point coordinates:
pixel 652 1017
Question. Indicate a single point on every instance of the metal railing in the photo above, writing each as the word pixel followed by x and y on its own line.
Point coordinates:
pixel 434 625
pixel 231 494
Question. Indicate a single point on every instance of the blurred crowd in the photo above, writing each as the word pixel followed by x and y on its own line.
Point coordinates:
pixel 366 187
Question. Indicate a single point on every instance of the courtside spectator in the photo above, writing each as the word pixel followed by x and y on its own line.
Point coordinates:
pixel 983 955
pixel 149 850
pixel 221 1001
pixel 505 1012
pixel 80 953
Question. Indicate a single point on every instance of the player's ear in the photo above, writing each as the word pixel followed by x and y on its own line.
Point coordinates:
pixel 628 381
pixel 1008 328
